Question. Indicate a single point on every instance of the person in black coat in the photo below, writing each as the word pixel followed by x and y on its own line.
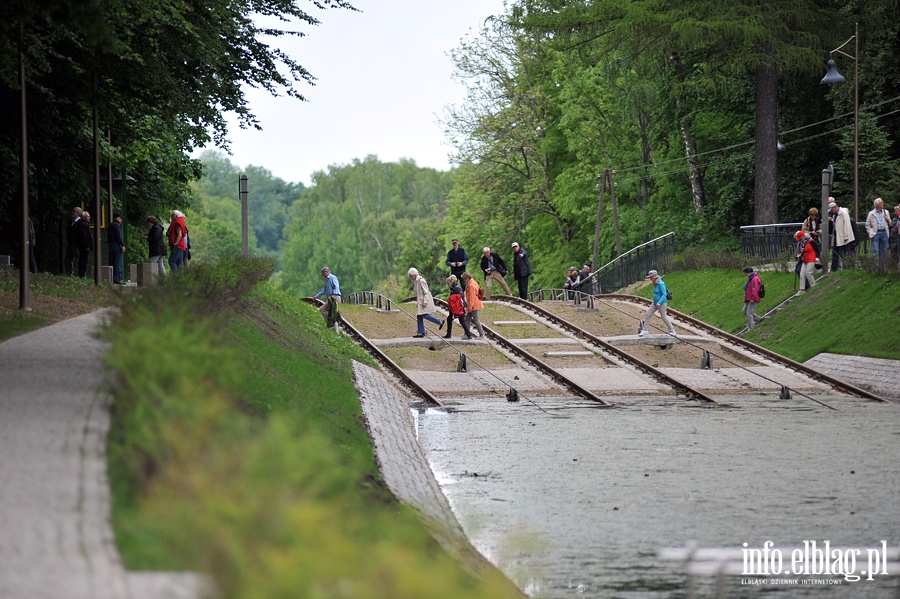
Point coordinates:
pixel 521 269
pixel 85 240
pixel 115 239
pixel 457 259
pixel 156 242
pixel 72 243
pixel 494 269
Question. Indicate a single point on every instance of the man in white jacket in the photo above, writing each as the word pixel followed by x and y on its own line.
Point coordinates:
pixel 841 231
pixel 877 223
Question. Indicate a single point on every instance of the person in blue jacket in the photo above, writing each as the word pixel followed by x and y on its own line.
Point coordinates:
pixel 332 294
pixel 659 303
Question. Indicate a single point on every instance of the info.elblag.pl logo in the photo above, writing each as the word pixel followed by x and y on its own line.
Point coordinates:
pixel 815 559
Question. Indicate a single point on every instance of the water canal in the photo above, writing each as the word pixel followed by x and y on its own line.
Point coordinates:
pixel 577 501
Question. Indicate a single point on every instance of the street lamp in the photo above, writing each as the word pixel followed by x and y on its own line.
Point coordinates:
pixel 832 76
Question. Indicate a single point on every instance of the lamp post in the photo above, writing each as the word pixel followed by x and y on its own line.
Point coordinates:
pixel 832 76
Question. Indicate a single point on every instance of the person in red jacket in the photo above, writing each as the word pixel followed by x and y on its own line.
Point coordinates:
pixel 177 234
pixel 751 297
pixel 807 254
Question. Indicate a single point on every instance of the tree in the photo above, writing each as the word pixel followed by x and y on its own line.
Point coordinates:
pixel 162 76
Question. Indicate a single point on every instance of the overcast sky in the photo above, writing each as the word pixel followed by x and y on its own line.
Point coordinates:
pixel 384 78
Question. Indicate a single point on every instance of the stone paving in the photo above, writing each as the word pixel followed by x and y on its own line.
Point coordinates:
pixel 877 375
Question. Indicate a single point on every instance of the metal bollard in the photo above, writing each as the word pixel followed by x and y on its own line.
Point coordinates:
pixel 463 364
pixel 785 393
pixel 378 303
pixel 513 395
pixel 706 363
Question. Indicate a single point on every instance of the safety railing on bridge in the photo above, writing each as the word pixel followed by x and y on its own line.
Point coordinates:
pixel 776 242
pixel 632 266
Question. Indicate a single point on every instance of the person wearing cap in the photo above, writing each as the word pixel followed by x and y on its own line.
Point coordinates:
pixel 521 269
pixel 807 254
pixel 332 294
pixel 660 304
pixel 457 259
pixel 877 223
pixel 494 269
pixel 751 297
pixel 841 230
pixel 424 303
pixel 115 239
pixel 177 234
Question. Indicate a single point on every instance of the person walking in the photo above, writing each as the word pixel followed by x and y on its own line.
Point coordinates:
pixel 457 305
pixel 877 223
pixel 494 269
pixel 177 234
pixel 73 244
pixel 115 240
pixel 85 242
pixel 807 253
pixel 660 303
pixel 332 294
pixel 751 297
pixel 156 244
pixel 521 269
pixel 473 303
pixel 457 259
pixel 424 303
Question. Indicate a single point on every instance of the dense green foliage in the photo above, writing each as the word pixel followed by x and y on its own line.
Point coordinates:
pixel 160 75
pixel 369 221
pixel 255 466
pixel 682 102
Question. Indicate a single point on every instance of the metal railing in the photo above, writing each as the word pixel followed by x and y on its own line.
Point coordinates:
pixel 632 266
pixel 776 242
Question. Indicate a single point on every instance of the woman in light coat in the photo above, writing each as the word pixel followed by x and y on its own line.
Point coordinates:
pixel 473 303
pixel 424 303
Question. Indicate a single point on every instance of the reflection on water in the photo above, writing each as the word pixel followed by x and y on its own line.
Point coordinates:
pixel 580 506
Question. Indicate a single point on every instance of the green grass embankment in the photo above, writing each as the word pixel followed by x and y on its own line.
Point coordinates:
pixel 848 312
pixel 238 449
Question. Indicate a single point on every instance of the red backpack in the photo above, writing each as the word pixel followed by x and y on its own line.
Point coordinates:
pixel 455 302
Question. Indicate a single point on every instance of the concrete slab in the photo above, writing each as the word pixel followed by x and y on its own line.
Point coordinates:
pixel 656 340
pixel 424 341
pixel 756 379
pixel 546 341
pixel 877 375
pixel 568 354
pixel 504 323
pixel 477 381
pixel 614 381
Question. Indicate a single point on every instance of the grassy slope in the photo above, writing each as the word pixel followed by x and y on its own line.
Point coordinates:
pixel 849 312
pixel 279 498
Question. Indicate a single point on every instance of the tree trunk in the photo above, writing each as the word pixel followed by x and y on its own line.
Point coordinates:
pixel 698 195
pixel 765 192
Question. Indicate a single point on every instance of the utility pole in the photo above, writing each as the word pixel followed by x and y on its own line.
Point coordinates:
pixel 245 217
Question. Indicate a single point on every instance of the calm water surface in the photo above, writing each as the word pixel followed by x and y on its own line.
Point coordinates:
pixel 577 501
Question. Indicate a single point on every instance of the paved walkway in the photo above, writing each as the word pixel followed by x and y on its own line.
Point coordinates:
pixel 55 535
pixel 873 374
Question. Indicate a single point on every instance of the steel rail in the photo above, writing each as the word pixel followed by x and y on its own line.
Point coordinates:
pixel 758 349
pixel 656 373
pixel 542 366
pixel 381 357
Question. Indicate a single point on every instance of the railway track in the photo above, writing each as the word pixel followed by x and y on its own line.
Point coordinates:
pixel 735 341
pixel 580 333
pixel 382 358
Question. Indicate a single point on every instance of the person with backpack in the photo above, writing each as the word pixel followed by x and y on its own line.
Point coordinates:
pixel 474 295
pixel 457 305
pixel 807 254
pixel 660 303
pixel 754 291
pixel 156 244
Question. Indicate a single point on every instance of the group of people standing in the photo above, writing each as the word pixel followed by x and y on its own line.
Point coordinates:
pixel 882 229
pixel 80 242
pixel 493 267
